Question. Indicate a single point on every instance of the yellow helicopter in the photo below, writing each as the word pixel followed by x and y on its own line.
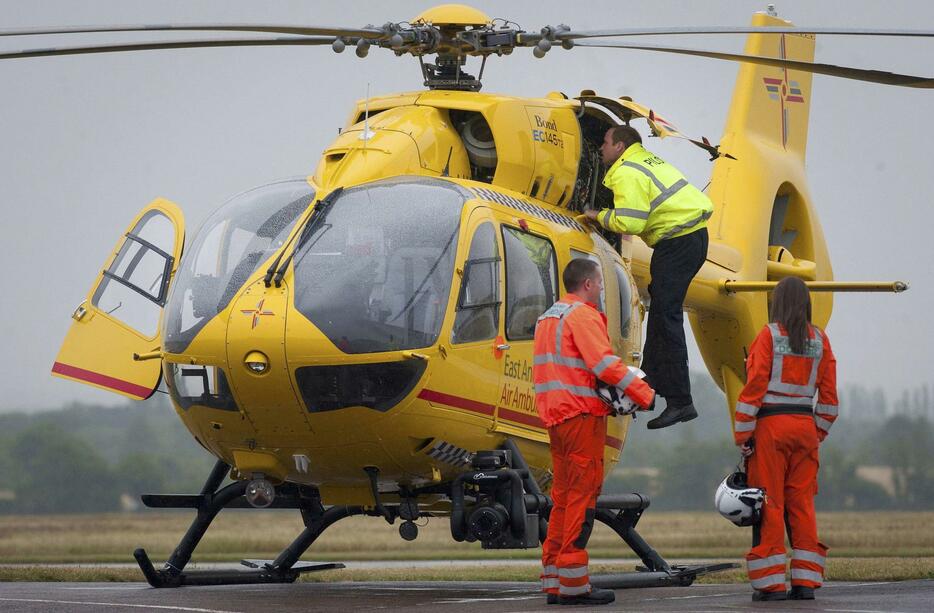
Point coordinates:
pixel 340 359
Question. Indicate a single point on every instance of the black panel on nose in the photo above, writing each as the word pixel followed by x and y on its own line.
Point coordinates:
pixel 374 386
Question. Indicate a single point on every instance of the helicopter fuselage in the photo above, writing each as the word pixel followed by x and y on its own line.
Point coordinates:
pixel 374 355
pixel 379 313
pixel 400 334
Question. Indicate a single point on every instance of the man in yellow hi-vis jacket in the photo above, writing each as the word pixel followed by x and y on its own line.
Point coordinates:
pixel 654 201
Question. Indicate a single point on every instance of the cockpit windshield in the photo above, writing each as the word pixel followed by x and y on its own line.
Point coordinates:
pixel 373 270
pixel 228 248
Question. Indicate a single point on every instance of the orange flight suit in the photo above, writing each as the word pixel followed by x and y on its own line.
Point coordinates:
pixel 572 348
pixel 776 409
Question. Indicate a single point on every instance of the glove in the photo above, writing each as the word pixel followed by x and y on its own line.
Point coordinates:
pixel 586 221
pixel 621 403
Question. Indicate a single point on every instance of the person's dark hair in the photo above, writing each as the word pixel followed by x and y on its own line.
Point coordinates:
pixel 625 134
pixel 577 271
pixel 791 307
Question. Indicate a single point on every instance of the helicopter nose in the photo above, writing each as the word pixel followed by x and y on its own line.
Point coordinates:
pixel 256 358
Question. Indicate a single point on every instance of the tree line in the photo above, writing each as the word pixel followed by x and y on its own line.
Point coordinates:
pixel 84 459
pixel 879 454
pixel 81 459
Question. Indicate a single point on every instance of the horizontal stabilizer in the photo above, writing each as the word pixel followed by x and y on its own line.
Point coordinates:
pixel 897 287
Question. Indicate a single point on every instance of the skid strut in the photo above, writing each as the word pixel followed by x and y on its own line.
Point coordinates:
pixel 621 513
pixel 284 569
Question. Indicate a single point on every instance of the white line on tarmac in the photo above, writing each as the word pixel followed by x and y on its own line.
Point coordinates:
pixel 861 610
pixel 498 599
pixel 124 587
pixel 117 604
pixel 389 586
pixel 695 596
pixel 368 564
pixel 868 583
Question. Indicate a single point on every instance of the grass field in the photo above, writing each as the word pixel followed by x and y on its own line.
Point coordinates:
pixel 864 546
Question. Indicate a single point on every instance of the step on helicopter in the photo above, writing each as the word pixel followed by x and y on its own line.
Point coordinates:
pixel 337 360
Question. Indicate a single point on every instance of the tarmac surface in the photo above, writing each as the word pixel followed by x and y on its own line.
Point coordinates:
pixel 905 596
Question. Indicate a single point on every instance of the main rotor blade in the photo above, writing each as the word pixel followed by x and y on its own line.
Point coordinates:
pixel 181 44
pixel 844 72
pixel 742 30
pixel 368 33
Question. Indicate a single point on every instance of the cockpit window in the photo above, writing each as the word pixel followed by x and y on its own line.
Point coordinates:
pixel 228 248
pixel 373 269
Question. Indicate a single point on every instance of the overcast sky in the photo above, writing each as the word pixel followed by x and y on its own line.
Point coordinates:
pixel 85 142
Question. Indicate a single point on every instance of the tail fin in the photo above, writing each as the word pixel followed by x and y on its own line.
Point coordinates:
pixel 764 226
pixel 773 103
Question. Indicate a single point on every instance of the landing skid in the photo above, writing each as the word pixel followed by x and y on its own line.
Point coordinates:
pixel 682 576
pixel 265 573
pixel 620 512
pixel 284 569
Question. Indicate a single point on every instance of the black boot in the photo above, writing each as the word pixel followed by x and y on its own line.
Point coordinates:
pixel 760 596
pixel 801 592
pixel 672 415
pixel 595 597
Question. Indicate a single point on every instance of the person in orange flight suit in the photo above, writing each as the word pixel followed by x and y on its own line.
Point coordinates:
pixel 779 429
pixel 572 349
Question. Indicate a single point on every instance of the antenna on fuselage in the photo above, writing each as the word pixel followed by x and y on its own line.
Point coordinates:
pixel 366 118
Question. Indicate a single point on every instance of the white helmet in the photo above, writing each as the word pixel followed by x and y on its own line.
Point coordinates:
pixel 617 399
pixel 738 502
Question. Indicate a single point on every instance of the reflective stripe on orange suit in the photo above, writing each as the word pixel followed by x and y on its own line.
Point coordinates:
pixel 572 348
pixel 778 377
pixel 785 461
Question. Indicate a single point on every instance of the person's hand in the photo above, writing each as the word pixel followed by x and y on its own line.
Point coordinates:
pixel 746 450
pixel 588 219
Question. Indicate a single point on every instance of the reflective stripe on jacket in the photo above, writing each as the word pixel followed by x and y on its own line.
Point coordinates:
pixel 652 198
pixel 777 377
pixel 572 348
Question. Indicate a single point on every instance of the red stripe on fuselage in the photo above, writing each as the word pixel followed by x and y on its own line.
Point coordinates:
pixel 522 418
pixel 488 409
pixel 456 401
pixel 103 380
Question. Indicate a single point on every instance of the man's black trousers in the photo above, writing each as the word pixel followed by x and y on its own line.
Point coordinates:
pixel 675 261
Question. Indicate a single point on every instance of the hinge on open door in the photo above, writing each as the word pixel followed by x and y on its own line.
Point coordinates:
pixel 155 354
pixel 80 311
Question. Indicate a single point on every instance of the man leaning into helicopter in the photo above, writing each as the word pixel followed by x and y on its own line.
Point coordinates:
pixel 654 201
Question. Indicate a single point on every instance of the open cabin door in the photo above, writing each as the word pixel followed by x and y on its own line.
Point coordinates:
pixel 121 315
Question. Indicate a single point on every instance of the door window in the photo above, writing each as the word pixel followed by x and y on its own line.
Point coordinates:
pixel 531 281
pixel 625 300
pixel 134 286
pixel 477 316
pixel 589 256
